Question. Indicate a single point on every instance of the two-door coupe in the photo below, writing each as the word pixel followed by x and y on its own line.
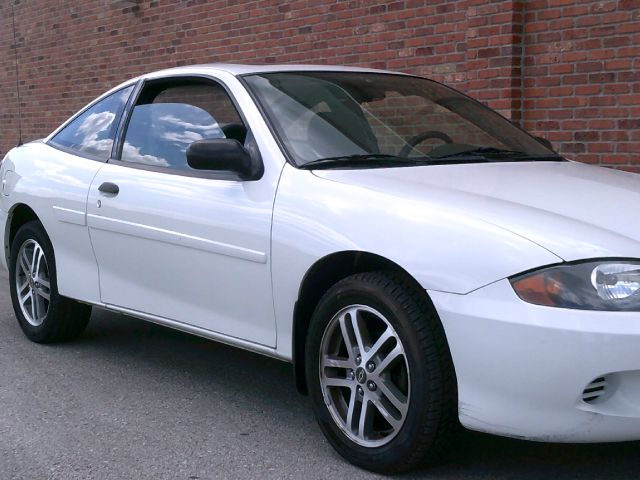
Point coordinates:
pixel 421 260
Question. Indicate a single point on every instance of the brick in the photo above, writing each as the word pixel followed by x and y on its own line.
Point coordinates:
pixel 587 136
pixel 629 4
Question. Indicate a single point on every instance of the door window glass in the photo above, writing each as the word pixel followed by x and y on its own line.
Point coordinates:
pixel 167 119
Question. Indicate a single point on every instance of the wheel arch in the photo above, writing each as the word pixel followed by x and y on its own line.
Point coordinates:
pixel 19 214
pixel 323 274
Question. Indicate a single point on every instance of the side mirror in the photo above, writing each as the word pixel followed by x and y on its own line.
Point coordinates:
pixel 545 142
pixel 224 155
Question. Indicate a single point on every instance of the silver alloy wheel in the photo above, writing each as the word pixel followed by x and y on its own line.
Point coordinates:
pixel 364 375
pixel 33 286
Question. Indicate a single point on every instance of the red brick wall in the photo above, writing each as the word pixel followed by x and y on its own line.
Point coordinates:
pixel 582 77
pixel 566 69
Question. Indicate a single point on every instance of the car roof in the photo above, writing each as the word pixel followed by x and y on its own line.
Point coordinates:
pixel 238 69
pixel 244 69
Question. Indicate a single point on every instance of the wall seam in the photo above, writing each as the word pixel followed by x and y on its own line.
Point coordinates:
pixel 15 52
pixel 523 44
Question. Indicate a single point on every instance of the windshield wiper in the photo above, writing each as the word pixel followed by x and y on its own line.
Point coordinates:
pixel 498 153
pixel 367 160
pixel 379 160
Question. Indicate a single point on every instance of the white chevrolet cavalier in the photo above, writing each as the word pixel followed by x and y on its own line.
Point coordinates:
pixel 421 260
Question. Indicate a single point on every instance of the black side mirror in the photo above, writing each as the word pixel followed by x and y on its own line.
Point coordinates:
pixel 545 142
pixel 224 155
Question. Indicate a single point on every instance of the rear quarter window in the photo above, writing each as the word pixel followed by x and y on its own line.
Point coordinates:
pixel 93 131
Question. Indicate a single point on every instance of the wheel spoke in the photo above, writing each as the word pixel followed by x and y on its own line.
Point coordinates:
pixel 22 287
pixel 355 325
pixel 39 306
pixel 34 259
pixel 335 362
pixel 386 414
pixel 41 293
pixel 394 396
pixel 44 283
pixel 351 410
pixel 346 336
pixel 23 299
pixel 34 314
pixel 364 422
pixel 24 263
pixel 389 358
pixel 39 254
pixel 382 340
pixel 338 382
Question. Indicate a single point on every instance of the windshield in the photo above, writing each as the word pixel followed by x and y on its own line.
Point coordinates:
pixel 343 116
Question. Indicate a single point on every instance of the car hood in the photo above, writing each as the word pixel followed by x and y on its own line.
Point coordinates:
pixel 575 211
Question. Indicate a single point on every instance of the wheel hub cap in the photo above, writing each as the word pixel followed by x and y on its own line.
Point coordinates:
pixel 361 375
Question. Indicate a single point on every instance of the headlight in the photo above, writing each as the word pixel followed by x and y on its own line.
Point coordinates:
pixel 603 285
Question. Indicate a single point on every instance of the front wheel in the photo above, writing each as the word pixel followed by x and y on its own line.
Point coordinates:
pixel 43 314
pixel 380 373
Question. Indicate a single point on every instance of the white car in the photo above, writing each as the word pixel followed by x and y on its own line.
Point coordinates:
pixel 422 261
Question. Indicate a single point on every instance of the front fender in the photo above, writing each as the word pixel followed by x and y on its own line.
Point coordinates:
pixel 443 249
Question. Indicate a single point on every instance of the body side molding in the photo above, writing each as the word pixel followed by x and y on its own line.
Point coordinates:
pixel 175 238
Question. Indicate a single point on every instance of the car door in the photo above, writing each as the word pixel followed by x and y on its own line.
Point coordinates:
pixel 177 244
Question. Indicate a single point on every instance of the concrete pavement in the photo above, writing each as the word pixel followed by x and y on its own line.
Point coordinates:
pixel 132 400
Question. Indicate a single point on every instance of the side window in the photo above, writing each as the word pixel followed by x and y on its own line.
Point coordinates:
pixel 93 131
pixel 167 118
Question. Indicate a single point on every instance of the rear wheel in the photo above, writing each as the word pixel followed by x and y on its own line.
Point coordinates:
pixel 43 314
pixel 380 373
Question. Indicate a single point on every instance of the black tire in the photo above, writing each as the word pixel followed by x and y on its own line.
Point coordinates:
pixel 432 415
pixel 65 319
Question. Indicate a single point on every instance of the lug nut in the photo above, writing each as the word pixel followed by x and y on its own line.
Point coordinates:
pixel 371 367
pixel 360 391
pixel 351 375
pixel 371 385
pixel 358 359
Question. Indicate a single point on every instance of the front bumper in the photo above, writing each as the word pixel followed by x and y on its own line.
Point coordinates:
pixel 522 369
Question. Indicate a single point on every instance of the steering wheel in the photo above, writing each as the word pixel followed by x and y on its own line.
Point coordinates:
pixel 421 137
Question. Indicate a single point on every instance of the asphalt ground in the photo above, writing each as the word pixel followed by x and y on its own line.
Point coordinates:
pixel 133 400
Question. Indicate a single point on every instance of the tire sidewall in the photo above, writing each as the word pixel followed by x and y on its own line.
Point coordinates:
pixel 34 231
pixel 350 293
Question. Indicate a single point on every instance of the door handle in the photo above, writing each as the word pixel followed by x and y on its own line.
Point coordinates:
pixel 109 188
